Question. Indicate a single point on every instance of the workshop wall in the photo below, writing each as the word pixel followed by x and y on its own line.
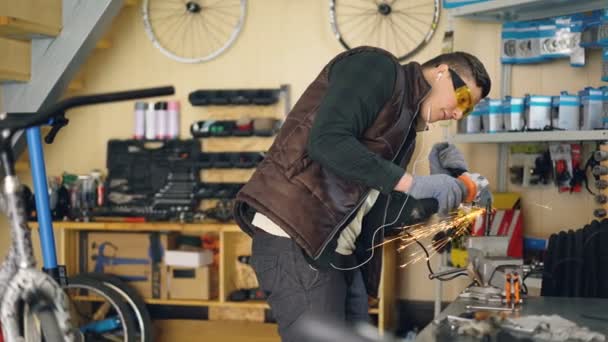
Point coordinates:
pixel 288 41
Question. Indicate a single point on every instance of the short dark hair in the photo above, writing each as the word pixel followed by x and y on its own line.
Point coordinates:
pixel 466 65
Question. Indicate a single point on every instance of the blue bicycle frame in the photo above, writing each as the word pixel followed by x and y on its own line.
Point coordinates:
pixel 43 209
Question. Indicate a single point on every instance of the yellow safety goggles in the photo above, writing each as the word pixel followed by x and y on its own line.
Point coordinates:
pixel 464 99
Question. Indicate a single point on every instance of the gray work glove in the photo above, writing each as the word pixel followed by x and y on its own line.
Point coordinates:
pixel 448 191
pixel 444 156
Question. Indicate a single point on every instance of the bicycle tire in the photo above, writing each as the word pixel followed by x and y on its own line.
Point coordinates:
pixel 132 298
pixel 387 31
pixel 115 299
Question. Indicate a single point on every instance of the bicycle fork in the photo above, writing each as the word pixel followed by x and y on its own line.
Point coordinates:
pixel 20 282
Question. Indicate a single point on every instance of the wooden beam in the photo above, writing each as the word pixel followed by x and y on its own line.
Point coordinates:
pixel 15 61
pixel 24 19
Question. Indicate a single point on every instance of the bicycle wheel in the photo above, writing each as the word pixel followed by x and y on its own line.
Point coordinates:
pixel 399 26
pixel 133 299
pixel 193 31
pixel 99 312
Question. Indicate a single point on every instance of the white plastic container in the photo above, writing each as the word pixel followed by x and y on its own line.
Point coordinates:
pixel 150 123
pixel 139 128
pixel 495 117
pixel 188 258
pixel 173 108
pixel 569 113
pixel 592 101
pixel 514 119
pixel 539 115
pixel 161 120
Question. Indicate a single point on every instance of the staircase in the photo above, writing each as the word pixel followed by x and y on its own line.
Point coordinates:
pixel 43 43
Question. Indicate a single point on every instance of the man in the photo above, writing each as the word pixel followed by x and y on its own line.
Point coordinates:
pixel 335 176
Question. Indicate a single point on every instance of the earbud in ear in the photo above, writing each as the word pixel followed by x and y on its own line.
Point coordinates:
pixel 438 76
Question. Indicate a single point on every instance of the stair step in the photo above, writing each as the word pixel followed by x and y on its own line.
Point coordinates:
pixel 16 60
pixel 26 19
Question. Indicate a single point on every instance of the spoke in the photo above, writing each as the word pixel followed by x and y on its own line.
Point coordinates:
pixel 373 29
pixel 360 28
pixel 417 6
pixel 167 28
pixel 186 33
pixel 201 38
pixel 414 18
pixel 370 12
pixel 230 6
pixel 226 14
pixel 357 7
pixel 222 21
pixel 209 32
pixel 204 39
pixel 176 37
pixel 171 42
pixel 345 22
pixel 407 34
pixel 398 38
pixel 165 17
pixel 368 1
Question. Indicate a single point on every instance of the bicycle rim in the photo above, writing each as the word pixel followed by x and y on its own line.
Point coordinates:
pixel 398 26
pixel 133 299
pixel 89 304
pixel 193 31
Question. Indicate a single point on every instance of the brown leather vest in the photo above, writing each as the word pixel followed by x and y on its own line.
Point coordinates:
pixel 306 200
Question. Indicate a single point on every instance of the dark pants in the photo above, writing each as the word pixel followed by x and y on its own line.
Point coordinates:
pixel 296 288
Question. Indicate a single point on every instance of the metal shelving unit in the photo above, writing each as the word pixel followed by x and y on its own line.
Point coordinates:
pixel 519 10
pixel 545 136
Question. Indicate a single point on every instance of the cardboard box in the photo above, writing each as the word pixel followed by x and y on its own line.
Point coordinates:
pixel 189 282
pixel 189 258
pixel 133 257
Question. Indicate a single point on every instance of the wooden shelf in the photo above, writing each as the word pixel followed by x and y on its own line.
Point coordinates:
pixel 200 330
pixel 145 226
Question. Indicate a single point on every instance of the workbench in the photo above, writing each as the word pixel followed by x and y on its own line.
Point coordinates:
pixel 578 310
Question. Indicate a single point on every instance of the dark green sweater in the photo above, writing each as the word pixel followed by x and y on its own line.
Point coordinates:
pixel 359 86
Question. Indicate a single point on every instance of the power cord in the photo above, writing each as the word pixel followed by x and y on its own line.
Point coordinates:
pixel 386 209
pixel 430 268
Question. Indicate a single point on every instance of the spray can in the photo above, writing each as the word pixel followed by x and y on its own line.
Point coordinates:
pixel 140 120
pixel 161 120
pixel 150 123
pixel 100 190
pixel 173 117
